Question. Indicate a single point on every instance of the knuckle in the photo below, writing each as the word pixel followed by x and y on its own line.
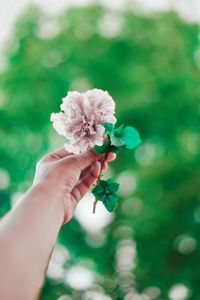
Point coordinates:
pixel 38 164
pixel 46 157
pixel 42 160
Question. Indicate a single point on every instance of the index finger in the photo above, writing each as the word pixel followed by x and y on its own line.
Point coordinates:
pixel 83 160
pixel 60 153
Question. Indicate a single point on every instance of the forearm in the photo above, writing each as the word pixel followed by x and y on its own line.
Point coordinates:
pixel 27 236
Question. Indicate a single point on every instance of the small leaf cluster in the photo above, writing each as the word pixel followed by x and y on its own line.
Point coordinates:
pixel 116 138
pixel 106 191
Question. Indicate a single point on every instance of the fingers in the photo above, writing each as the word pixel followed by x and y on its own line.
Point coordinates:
pixel 60 153
pixel 83 160
pixel 104 164
pixel 56 155
pixel 110 157
pixel 86 181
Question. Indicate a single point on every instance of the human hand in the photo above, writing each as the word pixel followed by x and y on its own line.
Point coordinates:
pixel 68 177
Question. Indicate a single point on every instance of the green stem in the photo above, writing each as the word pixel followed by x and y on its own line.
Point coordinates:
pixel 94 205
pixel 98 180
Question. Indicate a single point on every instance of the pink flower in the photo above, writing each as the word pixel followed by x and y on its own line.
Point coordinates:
pixel 81 119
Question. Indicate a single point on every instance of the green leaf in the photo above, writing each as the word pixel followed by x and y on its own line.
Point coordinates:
pixel 106 191
pixel 115 137
pixel 118 131
pixel 125 136
pixel 99 191
pixel 115 140
pixel 109 128
pixel 102 149
pixel 112 185
pixel 122 136
pixel 110 203
pixel 131 137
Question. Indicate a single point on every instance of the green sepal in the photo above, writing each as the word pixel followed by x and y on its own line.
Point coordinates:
pixel 106 147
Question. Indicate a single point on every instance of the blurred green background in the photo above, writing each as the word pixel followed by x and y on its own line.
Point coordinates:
pixel 150 247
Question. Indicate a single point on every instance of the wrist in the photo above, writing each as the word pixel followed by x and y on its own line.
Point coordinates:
pixel 47 199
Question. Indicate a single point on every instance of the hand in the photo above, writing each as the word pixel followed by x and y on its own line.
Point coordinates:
pixel 68 177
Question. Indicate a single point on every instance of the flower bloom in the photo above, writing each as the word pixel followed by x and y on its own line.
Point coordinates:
pixel 81 118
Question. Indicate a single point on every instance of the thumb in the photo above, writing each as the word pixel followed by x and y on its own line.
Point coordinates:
pixel 82 160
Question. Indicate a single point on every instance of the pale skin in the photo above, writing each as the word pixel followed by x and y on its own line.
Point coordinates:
pixel 29 230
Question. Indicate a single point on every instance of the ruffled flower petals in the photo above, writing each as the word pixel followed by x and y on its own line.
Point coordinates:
pixel 100 101
pixel 99 137
pixel 108 119
pixel 73 103
pixel 59 121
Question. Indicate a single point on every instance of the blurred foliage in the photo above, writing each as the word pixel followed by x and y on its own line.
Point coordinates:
pixel 147 63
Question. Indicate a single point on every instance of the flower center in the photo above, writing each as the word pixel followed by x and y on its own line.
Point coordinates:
pixel 88 125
